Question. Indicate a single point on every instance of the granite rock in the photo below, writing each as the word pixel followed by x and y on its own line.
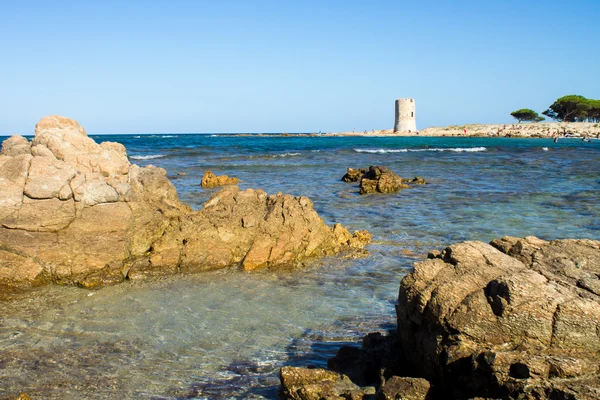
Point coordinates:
pixel 210 180
pixel 519 317
pixel 74 211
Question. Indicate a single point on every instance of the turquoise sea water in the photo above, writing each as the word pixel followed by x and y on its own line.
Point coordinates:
pixel 225 334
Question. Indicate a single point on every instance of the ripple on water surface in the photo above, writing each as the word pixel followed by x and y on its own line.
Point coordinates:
pixel 225 334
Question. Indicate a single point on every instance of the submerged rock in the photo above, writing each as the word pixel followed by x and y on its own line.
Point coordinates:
pixel 77 212
pixel 515 319
pixel 417 180
pixel 210 180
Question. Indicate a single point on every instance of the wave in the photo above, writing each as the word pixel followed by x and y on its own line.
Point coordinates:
pixel 453 149
pixel 148 157
pixel 381 151
pixel 276 155
pixel 168 136
pixel 286 155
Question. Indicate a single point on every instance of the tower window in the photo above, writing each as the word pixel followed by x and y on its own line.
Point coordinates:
pixel 412 114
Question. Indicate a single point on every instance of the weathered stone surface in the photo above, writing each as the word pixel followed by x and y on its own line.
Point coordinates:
pixel 380 180
pixel 316 384
pixel 377 179
pixel 15 267
pixel 41 215
pixel 370 364
pixel 210 180
pixel 74 211
pixel 354 175
pixel 46 177
pixel 404 388
pixel 257 230
pixel 518 318
pixel 15 145
pixel 13 175
pixel 512 319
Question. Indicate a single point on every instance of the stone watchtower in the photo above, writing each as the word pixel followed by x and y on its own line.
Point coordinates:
pixel 405 116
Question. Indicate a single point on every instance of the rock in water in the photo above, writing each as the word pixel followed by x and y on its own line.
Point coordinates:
pixel 77 212
pixel 307 384
pixel 417 180
pixel 354 175
pixel 517 318
pixel 377 179
pixel 210 180
pixel 380 180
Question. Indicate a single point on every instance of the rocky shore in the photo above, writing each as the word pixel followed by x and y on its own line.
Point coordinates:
pixel 76 212
pixel 523 130
pixel 518 318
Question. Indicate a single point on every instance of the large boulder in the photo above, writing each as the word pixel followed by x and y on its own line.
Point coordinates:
pixel 516 318
pixel 77 212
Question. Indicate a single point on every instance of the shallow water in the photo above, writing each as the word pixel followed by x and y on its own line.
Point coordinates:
pixel 225 334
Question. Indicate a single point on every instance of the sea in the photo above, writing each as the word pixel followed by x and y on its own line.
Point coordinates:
pixel 226 334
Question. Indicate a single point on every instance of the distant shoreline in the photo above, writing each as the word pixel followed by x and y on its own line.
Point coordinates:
pixel 525 130
pixel 530 130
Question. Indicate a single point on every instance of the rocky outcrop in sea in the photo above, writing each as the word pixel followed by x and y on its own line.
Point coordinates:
pixel 378 179
pixel 211 181
pixel 73 211
pixel 518 318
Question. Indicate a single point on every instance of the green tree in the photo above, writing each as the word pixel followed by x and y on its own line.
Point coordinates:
pixel 569 108
pixel 593 112
pixel 525 114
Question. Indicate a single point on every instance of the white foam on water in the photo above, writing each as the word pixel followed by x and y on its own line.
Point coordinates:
pixel 286 155
pixel 380 151
pixel 148 157
pixel 276 155
pixel 452 149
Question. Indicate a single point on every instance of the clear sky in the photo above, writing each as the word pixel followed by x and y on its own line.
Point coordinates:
pixel 289 66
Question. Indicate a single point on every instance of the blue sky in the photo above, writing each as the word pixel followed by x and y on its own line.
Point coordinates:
pixel 303 66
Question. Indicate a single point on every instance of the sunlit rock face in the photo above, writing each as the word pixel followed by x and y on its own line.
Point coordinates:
pixel 516 317
pixel 77 212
